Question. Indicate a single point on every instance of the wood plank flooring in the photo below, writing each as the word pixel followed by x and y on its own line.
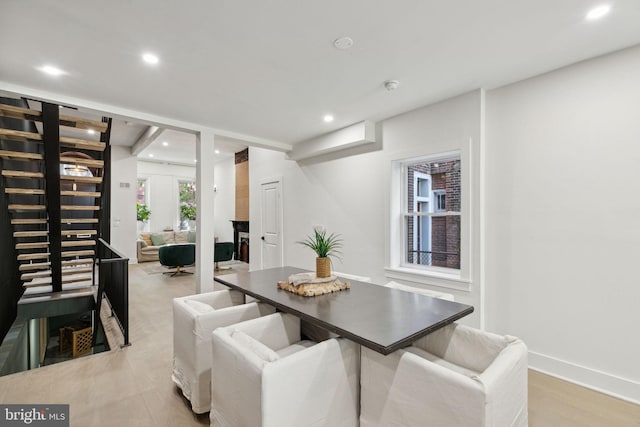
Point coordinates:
pixel 132 386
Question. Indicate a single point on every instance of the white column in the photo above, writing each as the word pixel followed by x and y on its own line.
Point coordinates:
pixel 204 221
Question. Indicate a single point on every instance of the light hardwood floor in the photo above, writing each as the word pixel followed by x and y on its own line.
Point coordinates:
pixel 132 386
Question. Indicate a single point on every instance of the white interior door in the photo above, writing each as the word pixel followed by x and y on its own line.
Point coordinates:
pixel 271 232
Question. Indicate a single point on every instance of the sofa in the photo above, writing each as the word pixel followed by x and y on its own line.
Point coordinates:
pixel 148 244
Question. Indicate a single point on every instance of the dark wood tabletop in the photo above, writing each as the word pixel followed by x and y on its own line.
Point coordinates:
pixel 376 317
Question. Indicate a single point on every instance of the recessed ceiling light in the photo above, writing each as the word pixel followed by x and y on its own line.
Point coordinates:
pixel 598 12
pixel 51 70
pixel 91 131
pixel 195 160
pixel 217 151
pixel 150 58
pixel 165 144
pixel 328 118
pixel 150 155
pixel 343 43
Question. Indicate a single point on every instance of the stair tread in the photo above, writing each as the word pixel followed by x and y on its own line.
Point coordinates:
pixel 29 191
pixel 69 291
pixel 80 193
pixel 65 120
pixel 76 243
pixel 39 281
pixel 20 155
pixel 66 254
pixel 34 266
pixel 79 208
pixel 40 233
pixel 22 174
pixel 76 232
pixel 92 179
pixel 79 220
pixel 20 134
pixel 85 144
pixel 65 272
pixel 32 245
pixel 81 123
pixel 24 221
pixel 81 162
pixel 34 256
pixel 27 207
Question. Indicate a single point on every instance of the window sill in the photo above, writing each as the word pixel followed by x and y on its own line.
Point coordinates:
pixel 424 277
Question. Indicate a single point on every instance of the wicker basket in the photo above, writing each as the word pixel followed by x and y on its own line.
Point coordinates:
pixel 323 267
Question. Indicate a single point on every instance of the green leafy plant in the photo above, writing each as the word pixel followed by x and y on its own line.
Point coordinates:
pixel 143 212
pixel 324 246
pixel 188 212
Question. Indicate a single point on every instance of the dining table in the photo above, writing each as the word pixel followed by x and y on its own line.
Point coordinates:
pixel 380 318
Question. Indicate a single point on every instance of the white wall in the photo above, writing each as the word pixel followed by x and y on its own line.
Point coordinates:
pixel 350 195
pixel 123 202
pixel 162 188
pixel 563 220
pixel 225 199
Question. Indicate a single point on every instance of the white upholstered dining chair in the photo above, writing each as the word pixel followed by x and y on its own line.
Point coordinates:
pixel 456 376
pixel 265 375
pixel 194 319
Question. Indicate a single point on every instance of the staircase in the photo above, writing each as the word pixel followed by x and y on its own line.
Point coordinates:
pixel 53 181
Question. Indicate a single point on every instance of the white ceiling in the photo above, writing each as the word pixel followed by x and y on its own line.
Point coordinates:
pixel 268 68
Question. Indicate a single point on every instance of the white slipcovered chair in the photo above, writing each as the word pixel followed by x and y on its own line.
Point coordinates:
pixel 427 292
pixel 194 319
pixel 456 376
pixel 266 376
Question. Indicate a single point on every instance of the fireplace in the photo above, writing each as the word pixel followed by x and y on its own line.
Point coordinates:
pixel 241 240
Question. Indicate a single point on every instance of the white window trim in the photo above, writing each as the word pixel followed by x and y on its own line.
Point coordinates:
pixel 428 275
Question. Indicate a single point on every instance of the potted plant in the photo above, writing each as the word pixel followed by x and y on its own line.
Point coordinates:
pixel 143 215
pixel 325 247
pixel 188 212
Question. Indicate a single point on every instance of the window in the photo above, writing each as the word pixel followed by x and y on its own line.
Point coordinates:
pixel 187 204
pixel 431 213
pixel 141 195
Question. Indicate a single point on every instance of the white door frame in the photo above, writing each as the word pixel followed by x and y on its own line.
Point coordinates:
pixel 278 180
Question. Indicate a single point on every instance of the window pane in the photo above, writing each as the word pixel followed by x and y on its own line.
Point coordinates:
pixel 433 241
pixel 187 195
pixel 141 195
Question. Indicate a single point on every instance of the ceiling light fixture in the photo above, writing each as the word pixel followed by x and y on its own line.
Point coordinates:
pixel 328 118
pixel 598 12
pixel 217 151
pixel 195 160
pixel 343 43
pixel 165 144
pixel 150 155
pixel 150 58
pixel 51 70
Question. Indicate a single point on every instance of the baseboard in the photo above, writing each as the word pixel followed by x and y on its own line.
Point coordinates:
pixel 621 388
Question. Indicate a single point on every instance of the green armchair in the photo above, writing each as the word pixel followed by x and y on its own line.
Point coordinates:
pixel 222 252
pixel 177 256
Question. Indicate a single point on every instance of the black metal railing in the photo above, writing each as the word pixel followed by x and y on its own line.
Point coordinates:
pixel 438 259
pixel 113 284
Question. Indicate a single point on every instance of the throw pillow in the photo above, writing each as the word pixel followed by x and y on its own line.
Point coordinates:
pixel 181 236
pixel 199 306
pixel 157 239
pixel 191 238
pixel 259 349
pixel 147 238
